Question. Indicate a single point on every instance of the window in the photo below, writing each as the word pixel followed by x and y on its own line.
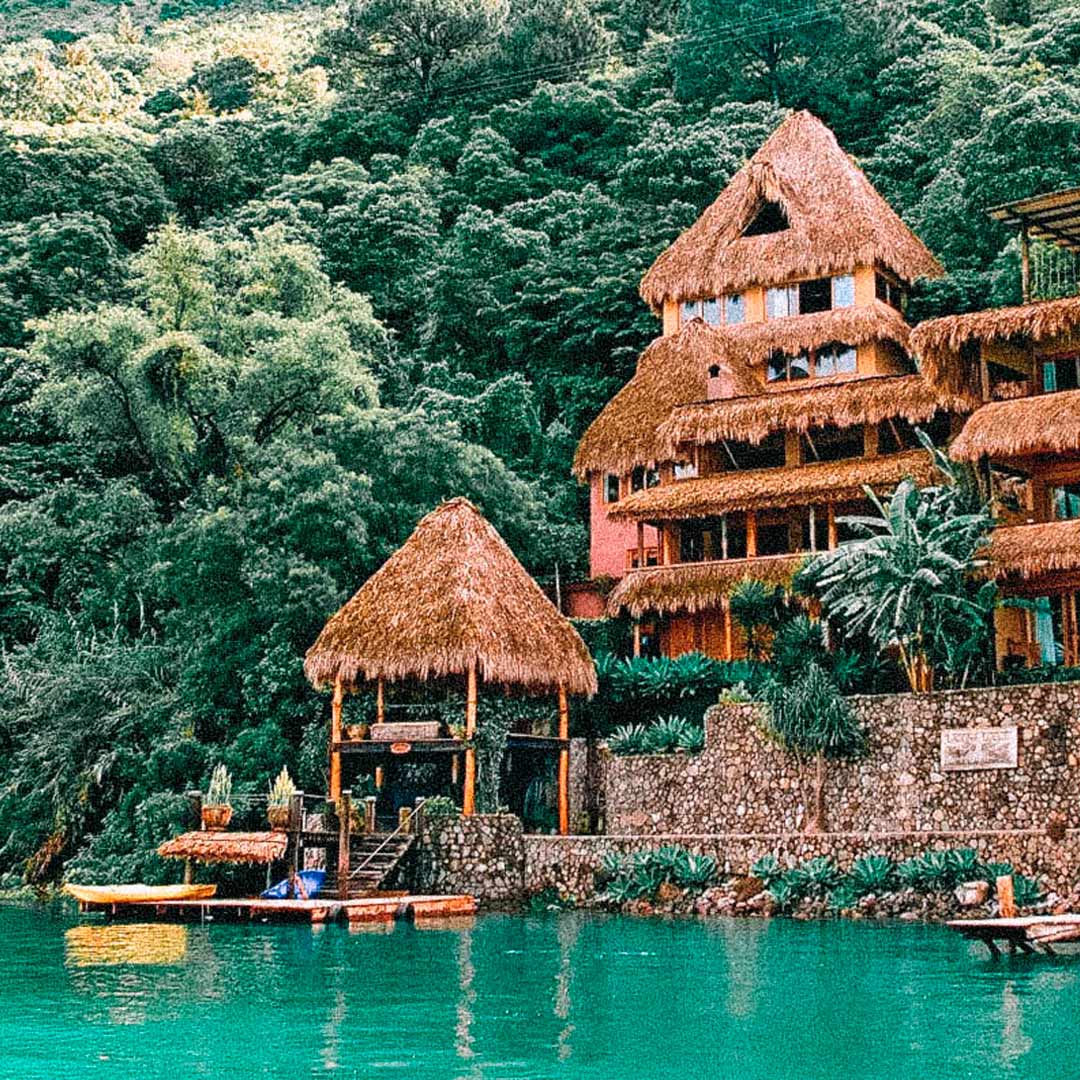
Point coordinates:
pixel 897 434
pixel 783 368
pixel 815 529
pixel 832 443
pixel 888 292
pixel 770 218
pixel 642 478
pixel 1066 502
pixel 734 308
pixel 1061 374
pixel 691 542
pixel 611 488
pixel 836 359
pixel 815 295
pixel 782 301
pixel 685 470
pixel 774 538
pixel 843 291
pixel 710 312
pixel 689 309
pixel 732 454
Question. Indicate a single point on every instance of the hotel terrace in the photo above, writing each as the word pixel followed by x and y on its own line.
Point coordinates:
pixel 787 380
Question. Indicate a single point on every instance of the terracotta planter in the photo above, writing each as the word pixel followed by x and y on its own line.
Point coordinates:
pixel 278 816
pixel 216 817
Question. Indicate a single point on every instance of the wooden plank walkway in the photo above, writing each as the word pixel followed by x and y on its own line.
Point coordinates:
pixel 1026 933
pixel 387 907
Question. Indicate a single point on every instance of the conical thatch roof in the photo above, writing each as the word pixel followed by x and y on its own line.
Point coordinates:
pixel 453 595
pixel 836 219
pixel 672 370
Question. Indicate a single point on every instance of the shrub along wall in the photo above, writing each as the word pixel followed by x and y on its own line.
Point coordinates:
pixel 744 783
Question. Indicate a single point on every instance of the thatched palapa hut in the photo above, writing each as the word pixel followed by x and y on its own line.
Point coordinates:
pixel 452 602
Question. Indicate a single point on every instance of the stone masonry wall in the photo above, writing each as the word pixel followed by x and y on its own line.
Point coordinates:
pixel 481 856
pixel 744 783
pixel 569 863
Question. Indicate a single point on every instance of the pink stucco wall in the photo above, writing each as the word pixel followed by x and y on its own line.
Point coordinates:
pixel 609 540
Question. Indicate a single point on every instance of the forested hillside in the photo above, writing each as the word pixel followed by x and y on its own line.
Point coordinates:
pixel 275 278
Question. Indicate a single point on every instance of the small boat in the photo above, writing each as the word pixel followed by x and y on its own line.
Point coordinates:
pixel 138 893
pixel 302 886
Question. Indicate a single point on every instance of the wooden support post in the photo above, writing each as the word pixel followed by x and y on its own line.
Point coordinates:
pixel 834 533
pixel 380 703
pixel 335 737
pixel 468 800
pixel 189 872
pixel 637 638
pixel 751 534
pixel 1006 897
pixel 564 763
pixel 729 631
pixel 344 813
pixel 1025 264
pixel 295 830
pixel 370 823
pixel 380 777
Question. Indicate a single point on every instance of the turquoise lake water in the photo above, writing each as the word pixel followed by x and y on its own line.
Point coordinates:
pixel 562 996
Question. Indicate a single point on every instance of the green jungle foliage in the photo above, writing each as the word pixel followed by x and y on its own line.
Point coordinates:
pixel 275 278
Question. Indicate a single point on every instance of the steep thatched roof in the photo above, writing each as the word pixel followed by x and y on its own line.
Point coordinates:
pixel 1026 551
pixel 837 221
pixel 840 401
pixel 938 342
pixel 756 489
pixel 1044 424
pixel 673 369
pixel 226 847
pixel 452 596
pixel 694 587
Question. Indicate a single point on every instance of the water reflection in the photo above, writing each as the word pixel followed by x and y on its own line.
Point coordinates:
pixel 1014 1043
pixel 567 932
pixel 466 998
pixel 88 945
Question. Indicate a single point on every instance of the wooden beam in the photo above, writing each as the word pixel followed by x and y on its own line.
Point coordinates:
pixel 564 764
pixel 335 737
pixel 468 801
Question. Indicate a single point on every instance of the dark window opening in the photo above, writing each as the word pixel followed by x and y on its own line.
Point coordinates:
pixel 845 533
pixel 788 368
pixel 732 542
pixel 896 434
pixel 642 478
pixel 1007 382
pixel 1067 502
pixel 832 443
pixel 768 454
pixel 815 296
pixel 835 358
pixel 611 488
pixel 888 292
pixel 714 371
pixel 774 538
pixel 770 218
pixel 1061 374
pixel 691 542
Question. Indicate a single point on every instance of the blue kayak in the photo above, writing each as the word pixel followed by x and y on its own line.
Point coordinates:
pixel 304 886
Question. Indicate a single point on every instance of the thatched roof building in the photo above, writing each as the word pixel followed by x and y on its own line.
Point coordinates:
pixel 451 599
pixel 836 221
pixel 695 587
pixel 1044 424
pixel 840 402
pixel 1027 551
pixel 755 489
pixel 942 344
pixel 226 847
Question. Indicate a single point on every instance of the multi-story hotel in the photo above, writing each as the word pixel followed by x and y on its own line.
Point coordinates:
pixel 786 379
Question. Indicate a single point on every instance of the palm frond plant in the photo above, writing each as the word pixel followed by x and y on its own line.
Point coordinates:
pixel 810 718
pixel 909 581
pixel 754 608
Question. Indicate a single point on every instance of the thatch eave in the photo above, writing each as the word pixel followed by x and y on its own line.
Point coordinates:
pixel 1022 427
pixel 1030 551
pixel 226 847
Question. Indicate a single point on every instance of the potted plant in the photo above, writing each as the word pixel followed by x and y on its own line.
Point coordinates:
pixel 357 732
pixel 216 809
pixel 280 796
pixel 457 731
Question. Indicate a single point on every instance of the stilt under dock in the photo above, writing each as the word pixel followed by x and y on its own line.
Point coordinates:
pixel 1027 934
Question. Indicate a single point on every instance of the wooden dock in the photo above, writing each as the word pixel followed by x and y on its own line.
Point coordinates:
pixel 385 908
pixel 1028 934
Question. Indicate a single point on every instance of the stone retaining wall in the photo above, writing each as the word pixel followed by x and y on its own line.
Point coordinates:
pixel 482 856
pixel 568 863
pixel 744 783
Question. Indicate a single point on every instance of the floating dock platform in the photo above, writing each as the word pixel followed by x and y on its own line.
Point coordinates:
pixel 385 908
pixel 1028 934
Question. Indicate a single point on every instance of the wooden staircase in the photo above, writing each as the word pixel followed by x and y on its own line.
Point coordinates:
pixel 373 858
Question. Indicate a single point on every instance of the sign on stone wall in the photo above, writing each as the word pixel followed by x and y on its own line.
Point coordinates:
pixel 969 749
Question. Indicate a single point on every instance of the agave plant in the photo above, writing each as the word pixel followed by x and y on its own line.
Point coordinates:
pixel 697 872
pixel 844 897
pixel 1027 892
pixel 628 739
pixel 966 865
pixel 819 875
pixel 767 869
pixel 990 872
pixel 872 874
pixel 784 894
pixel 692 740
pixel 664 736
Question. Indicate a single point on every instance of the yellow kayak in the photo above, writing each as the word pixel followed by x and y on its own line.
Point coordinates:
pixel 138 894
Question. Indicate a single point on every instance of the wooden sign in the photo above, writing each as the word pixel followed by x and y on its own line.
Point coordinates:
pixel 400 747
pixel 971 749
